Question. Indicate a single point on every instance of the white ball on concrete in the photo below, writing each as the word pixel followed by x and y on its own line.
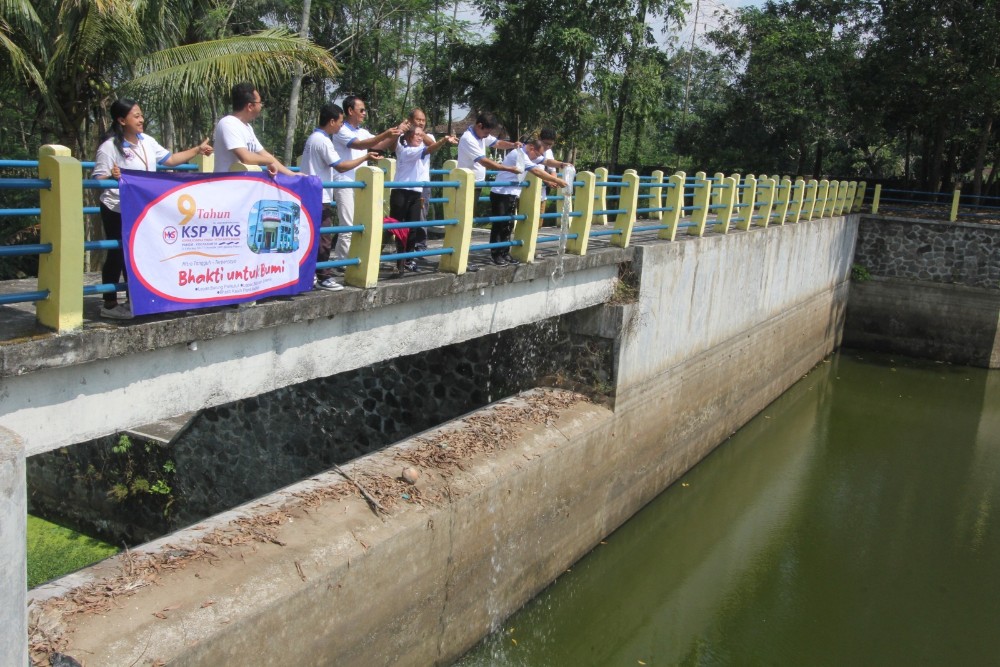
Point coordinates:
pixel 411 475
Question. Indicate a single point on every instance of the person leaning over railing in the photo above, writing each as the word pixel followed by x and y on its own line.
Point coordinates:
pixel 352 142
pixel 319 158
pixel 235 138
pixel 413 164
pixel 505 194
pixel 124 146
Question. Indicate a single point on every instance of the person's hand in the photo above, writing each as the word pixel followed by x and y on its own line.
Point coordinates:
pixel 518 144
pixel 373 156
pixel 116 172
pixel 451 139
pixel 561 183
pixel 515 170
pixel 404 127
pixel 272 169
pixel 205 148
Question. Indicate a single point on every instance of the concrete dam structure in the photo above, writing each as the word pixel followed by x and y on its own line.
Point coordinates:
pixel 355 566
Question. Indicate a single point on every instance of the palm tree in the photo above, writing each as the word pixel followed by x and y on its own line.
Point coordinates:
pixel 74 56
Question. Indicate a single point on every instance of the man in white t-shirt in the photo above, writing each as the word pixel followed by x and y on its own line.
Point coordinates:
pixel 506 192
pixel 548 138
pixel 474 142
pixel 235 140
pixel 319 158
pixel 351 142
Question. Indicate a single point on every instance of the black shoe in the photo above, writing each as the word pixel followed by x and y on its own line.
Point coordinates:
pixel 511 260
pixel 471 268
pixel 499 260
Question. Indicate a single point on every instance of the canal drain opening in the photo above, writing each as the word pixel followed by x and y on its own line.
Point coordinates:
pixel 128 489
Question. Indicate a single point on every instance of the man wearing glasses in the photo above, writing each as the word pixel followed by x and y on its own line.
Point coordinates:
pixel 235 140
pixel 351 142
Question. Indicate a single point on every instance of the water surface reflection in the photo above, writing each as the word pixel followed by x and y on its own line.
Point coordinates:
pixel 851 522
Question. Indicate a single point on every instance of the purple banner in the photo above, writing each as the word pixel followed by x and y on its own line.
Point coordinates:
pixel 201 240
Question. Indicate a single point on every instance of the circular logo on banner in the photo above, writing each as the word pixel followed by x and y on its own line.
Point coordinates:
pixel 170 235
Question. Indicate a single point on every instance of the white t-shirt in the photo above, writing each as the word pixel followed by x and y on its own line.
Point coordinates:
pixel 230 133
pixel 471 149
pixel 342 142
pixel 413 163
pixel 318 156
pixel 511 160
pixel 548 155
pixel 143 156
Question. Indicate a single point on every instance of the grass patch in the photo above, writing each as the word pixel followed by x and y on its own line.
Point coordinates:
pixel 54 551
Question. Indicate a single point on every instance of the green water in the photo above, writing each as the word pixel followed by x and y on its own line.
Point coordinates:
pixel 850 523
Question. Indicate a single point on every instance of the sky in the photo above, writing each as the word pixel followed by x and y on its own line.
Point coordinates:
pixel 708 12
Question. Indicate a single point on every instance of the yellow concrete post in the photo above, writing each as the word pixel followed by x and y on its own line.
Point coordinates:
pixel 829 196
pixel 728 189
pixel 748 198
pixel 765 200
pixel 784 201
pixel 600 195
pixel 583 203
pixel 675 202
pixel 450 165
pixel 852 190
pixel 797 197
pixel 878 195
pixel 61 271
pixel 388 167
pixel 717 190
pixel 838 206
pixel 526 231
pixel 954 206
pixel 859 197
pixel 700 200
pixel 628 201
pixel 812 194
pixel 205 163
pixel 459 207
pixel 243 168
pixel 656 196
pixel 367 245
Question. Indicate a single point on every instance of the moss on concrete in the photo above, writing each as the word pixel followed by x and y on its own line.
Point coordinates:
pixel 54 551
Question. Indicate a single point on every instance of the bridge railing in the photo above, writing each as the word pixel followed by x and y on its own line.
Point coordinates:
pixel 926 204
pixel 601 205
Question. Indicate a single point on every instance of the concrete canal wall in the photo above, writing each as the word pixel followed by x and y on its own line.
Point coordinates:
pixel 933 292
pixel 721 326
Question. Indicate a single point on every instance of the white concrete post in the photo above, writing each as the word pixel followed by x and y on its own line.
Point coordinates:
pixel 13 556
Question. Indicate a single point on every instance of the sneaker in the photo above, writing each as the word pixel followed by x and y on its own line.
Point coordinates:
pixel 511 260
pixel 499 260
pixel 471 268
pixel 411 265
pixel 121 311
pixel 330 284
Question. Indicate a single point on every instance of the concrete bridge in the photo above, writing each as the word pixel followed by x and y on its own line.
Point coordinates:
pixel 724 320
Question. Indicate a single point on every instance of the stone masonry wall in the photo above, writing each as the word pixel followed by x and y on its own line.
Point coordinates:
pixel 943 252
pixel 236 452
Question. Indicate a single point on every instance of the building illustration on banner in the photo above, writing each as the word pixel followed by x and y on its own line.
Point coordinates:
pixel 273 227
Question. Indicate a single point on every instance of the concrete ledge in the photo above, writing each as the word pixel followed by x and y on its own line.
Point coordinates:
pixel 13 558
pixel 101 340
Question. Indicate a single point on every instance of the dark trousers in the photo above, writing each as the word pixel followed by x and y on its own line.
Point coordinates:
pixel 502 205
pixel 405 206
pixel 326 241
pixel 114 260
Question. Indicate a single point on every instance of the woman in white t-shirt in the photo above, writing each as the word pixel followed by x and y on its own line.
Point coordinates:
pixel 124 146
